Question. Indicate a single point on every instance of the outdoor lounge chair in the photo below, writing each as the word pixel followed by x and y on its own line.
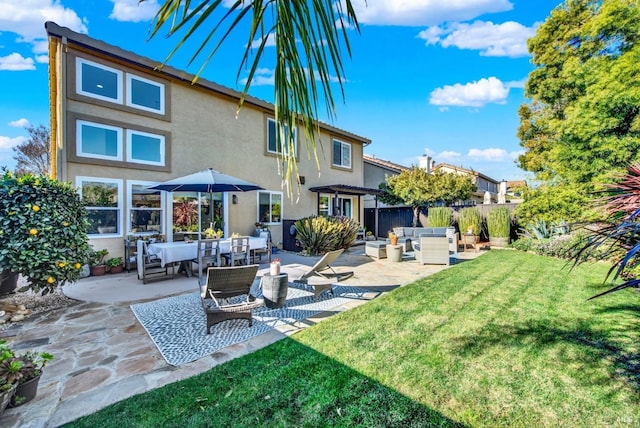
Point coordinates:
pixel 224 283
pixel 322 276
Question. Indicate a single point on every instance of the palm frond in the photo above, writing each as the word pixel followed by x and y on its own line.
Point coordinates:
pixel 309 36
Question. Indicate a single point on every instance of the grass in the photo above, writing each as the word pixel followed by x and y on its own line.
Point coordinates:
pixel 507 339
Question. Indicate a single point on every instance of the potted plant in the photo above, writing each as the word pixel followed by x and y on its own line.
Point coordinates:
pixel 97 261
pixel 8 381
pixel 469 221
pixel 393 238
pixel 22 371
pixel 115 264
pixel 44 231
pixel 499 226
pixel 439 217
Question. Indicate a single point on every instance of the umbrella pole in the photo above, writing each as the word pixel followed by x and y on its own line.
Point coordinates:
pixel 199 217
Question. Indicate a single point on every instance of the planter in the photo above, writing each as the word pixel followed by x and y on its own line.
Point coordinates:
pixel 98 270
pixel 8 282
pixel 25 392
pixel 498 242
pixel 274 290
pixel 5 398
pixel 116 269
pixel 393 240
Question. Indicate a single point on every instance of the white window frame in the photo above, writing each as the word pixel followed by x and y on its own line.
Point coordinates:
pixel 130 132
pixel 271 194
pixel 343 145
pixel 119 183
pixel 130 103
pixel 80 152
pixel 284 147
pixel 79 62
pixel 130 184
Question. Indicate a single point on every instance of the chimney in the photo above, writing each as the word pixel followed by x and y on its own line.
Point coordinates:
pixel 426 163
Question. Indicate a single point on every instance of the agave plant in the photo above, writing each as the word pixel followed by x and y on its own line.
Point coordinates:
pixel 617 238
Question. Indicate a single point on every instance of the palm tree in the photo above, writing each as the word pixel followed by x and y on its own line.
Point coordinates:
pixel 307 36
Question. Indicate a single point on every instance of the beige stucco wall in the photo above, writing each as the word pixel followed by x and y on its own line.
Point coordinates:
pixel 204 132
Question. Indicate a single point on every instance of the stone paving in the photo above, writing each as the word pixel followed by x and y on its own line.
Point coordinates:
pixel 103 355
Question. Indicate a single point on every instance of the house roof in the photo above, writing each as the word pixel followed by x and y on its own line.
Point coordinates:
pixel 346 189
pixel 466 171
pixel 516 183
pixel 384 163
pixel 54 30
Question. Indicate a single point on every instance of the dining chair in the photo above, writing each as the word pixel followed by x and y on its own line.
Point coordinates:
pixel 152 269
pixel 208 254
pixel 238 251
pixel 266 251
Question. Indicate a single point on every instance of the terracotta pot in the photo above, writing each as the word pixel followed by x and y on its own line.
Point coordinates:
pixel 27 391
pixel 8 282
pixel 393 240
pixel 116 269
pixel 98 270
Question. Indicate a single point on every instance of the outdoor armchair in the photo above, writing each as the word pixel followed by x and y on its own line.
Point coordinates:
pixel 223 284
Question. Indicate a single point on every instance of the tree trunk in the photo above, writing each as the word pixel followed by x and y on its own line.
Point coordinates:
pixel 416 213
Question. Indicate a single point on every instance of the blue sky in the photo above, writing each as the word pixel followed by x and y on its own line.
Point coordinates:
pixel 437 77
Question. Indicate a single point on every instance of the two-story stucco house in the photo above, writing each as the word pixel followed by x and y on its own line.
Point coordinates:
pixel 120 123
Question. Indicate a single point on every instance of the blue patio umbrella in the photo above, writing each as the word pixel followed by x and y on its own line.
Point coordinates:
pixel 206 181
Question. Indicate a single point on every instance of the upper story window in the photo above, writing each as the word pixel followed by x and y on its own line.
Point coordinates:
pixel 102 199
pixel 341 154
pixel 145 94
pixel 269 207
pixel 98 141
pixel 275 138
pixel 146 148
pixel 107 84
pixel 98 81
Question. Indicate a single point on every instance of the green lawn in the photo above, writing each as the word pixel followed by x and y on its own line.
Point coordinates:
pixel 507 339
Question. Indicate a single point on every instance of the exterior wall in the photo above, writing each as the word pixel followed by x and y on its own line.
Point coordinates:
pixel 374 175
pixel 201 131
pixel 484 183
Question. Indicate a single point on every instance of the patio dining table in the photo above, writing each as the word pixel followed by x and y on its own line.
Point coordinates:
pixel 171 252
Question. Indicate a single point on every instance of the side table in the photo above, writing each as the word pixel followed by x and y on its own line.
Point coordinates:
pixel 394 252
pixel 469 239
pixel 274 290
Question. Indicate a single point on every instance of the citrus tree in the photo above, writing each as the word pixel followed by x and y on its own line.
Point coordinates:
pixel 43 231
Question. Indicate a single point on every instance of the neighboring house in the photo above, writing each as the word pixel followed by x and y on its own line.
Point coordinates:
pixel 515 189
pixel 120 123
pixel 376 172
pixel 484 182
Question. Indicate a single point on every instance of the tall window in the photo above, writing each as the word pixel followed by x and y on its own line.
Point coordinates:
pixel 143 147
pixel 341 154
pixel 98 141
pixel 274 138
pixel 98 81
pixel 145 208
pixel 269 207
pixel 105 83
pixel 145 94
pixel 102 199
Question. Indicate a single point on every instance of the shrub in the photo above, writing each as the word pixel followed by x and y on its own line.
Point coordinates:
pixel 439 217
pixel 318 234
pixel 469 218
pixel 43 230
pixel 499 222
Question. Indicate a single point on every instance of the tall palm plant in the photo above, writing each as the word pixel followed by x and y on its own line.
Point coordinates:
pixel 307 35
pixel 617 239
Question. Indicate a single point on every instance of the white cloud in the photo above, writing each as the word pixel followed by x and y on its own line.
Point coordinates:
pixel 448 155
pixel 507 39
pixel 8 142
pixel 134 10
pixel 42 59
pixel 492 155
pixel 474 94
pixel 20 123
pixel 424 12
pixel 271 41
pixel 516 83
pixel 16 62
pixel 27 17
pixel 262 77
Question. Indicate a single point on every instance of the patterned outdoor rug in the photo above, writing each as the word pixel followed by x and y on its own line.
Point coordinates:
pixel 177 325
